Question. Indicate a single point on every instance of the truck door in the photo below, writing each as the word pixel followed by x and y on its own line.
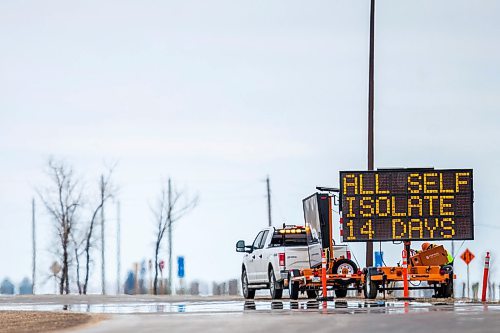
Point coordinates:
pixel 261 260
pixel 252 262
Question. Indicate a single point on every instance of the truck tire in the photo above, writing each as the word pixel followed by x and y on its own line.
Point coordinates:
pixel 293 289
pixel 247 292
pixel 341 292
pixel 370 287
pixel 311 294
pixel 345 266
pixel 274 287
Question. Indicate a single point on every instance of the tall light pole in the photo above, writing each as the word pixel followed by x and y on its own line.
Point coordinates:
pixel 369 245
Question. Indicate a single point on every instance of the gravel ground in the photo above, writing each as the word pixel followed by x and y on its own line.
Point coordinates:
pixel 27 321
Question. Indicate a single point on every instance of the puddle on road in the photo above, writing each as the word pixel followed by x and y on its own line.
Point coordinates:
pixel 332 307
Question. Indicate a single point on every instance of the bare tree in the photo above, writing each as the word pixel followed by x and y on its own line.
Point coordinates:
pixel 62 199
pixel 106 192
pixel 76 248
pixel 84 243
pixel 171 206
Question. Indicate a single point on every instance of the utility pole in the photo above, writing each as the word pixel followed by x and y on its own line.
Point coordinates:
pixel 118 248
pixel 268 201
pixel 33 273
pixel 169 221
pixel 369 245
pixel 103 273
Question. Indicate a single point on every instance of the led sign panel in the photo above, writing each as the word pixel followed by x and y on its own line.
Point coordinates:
pixel 407 204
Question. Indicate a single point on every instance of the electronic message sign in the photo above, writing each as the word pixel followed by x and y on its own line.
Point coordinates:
pixel 407 204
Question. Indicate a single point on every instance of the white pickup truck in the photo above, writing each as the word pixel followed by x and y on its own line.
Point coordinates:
pixel 272 255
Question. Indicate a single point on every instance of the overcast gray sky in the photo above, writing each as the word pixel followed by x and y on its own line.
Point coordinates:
pixel 217 94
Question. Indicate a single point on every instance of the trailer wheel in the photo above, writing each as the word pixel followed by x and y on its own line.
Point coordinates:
pixel 345 266
pixel 311 294
pixel 276 292
pixel 293 289
pixel 446 289
pixel 370 288
pixel 247 292
pixel 341 293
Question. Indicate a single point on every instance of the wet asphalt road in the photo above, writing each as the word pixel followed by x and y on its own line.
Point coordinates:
pixel 199 314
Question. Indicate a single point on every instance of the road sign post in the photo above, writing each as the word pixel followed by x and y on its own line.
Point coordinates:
pixel 161 265
pixel 467 256
pixel 180 272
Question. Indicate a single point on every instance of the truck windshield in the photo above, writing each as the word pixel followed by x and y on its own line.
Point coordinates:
pixel 289 239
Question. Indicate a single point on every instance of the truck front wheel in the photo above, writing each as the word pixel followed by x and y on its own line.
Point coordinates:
pixel 247 292
pixel 274 287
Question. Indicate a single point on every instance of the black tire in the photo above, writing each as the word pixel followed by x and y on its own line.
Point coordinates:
pixel 274 287
pixel 341 266
pixel 247 292
pixel 446 290
pixel 311 294
pixel 370 287
pixel 341 293
pixel 293 289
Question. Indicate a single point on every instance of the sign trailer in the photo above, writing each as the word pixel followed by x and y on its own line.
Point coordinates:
pixel 408 205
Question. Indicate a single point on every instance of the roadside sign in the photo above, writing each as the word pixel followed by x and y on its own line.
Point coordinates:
pixel 467 256
pixel 379 259
pixel 55 268
pixel 180 267
pixel 161 265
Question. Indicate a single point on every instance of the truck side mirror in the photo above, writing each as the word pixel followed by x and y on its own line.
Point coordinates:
pixel 240 246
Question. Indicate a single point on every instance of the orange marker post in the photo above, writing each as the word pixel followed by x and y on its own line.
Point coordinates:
pixel 323 275
pixel 485 276
pixel 405 274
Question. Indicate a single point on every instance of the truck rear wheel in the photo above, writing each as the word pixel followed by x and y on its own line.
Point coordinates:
pixel 274 287
pixel 247 292
pixel 341 293
pixel 293 289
